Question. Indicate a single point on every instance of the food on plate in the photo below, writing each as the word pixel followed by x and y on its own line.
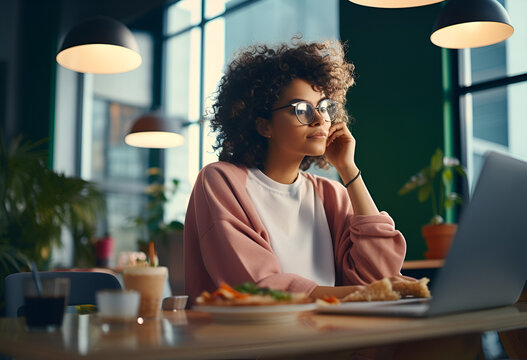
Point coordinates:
pixel 411 288
pixel 390 289
pixel 250 294
pixel 379 290
pixel 328 300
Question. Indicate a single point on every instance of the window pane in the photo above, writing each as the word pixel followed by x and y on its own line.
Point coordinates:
pixel 490 110
pixel 217 7
pixel 183 14
pixel 111 158
pixel 503 59
pixel 214 59
pixel 182 102
pixel 498 123
pixel 271 21
pixel 182 75
pixel 121 208
pixel 182 163
pixel 132 87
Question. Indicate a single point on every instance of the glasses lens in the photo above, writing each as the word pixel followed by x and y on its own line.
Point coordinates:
pixel 304 112
pixel 328 109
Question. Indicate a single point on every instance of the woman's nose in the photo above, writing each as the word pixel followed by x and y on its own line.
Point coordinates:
pixel 318 119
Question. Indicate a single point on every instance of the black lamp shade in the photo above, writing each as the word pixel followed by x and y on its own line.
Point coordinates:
pixel 154 131
pixel 100 45
pixel 394 3
pixel 471 23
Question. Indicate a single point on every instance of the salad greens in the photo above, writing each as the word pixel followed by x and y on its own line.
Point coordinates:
pixel 253 289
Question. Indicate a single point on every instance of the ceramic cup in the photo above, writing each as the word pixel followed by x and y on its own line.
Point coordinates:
pixel 173 303
pixel 118 305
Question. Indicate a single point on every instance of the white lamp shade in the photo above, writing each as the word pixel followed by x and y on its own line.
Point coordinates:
pixel 154 139
pixel 100 46
pixel 471 23
pixel 394 3
pixel 154 131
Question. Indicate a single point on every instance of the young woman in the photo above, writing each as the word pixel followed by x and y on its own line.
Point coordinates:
pixel 255 215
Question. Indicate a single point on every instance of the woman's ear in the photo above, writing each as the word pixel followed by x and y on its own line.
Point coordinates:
pixel 263 127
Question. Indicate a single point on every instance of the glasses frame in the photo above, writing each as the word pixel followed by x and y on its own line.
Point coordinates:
pixel 317 108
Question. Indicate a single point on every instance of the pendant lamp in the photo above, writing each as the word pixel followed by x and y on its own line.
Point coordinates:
pixel 471 23
pixel 99 45
pixel 153 130
pixel 394 3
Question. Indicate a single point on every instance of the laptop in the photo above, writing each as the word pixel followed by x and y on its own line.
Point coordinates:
pixel 486 266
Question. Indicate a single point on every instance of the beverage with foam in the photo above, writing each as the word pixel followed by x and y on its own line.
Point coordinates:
pixel 149 282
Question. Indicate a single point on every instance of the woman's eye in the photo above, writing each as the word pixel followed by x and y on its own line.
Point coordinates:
pixel 301 109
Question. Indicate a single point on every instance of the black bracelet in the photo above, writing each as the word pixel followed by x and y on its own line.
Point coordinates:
pixel 352 180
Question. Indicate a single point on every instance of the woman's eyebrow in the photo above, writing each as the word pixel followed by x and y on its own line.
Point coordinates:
pixel 295 100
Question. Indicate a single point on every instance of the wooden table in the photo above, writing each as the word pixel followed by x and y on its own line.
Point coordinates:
pixel 193 335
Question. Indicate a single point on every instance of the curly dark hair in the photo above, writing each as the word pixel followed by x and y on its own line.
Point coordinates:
pixel 253 83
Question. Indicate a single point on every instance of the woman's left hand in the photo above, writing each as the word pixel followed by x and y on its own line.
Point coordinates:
pixel 340 146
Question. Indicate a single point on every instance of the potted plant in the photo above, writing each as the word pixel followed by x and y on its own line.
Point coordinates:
pixel 38 202
pixel 434 183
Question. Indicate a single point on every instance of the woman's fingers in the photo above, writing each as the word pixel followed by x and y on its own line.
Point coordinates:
pixel 338 132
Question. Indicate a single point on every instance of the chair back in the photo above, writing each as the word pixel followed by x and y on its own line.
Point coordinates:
pixel 83 286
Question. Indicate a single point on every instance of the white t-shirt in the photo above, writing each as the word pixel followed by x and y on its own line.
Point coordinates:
pixel 295 219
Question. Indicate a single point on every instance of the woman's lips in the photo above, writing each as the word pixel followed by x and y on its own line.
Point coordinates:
pixel 318 135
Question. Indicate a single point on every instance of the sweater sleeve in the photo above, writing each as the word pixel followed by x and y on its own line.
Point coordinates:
pixel 366 247
pixel 369 248
pixel 225 240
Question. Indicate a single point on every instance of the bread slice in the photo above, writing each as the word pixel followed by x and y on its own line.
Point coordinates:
pixel 391 289
pixel 380 290
pixel 411 288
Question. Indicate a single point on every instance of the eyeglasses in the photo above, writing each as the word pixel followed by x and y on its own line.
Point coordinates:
pixel 305 112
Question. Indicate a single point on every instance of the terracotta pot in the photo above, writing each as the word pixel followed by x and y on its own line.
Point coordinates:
pixel 438 239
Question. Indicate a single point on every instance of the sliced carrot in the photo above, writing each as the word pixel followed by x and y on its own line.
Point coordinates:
pixel 331 299
pixel 229 293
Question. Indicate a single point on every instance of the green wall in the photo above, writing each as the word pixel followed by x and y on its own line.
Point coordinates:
pixel 36 69
pixel 397 104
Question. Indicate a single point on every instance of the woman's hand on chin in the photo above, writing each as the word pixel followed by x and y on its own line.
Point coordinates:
pixel 340 147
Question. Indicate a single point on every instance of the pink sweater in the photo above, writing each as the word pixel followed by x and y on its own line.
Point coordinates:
pixel 225 240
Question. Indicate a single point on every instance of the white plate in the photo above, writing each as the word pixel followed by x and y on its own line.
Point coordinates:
pixel 353 306
pixel 263 314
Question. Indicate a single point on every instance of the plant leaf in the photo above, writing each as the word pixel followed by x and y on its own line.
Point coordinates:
pixel 409 186
pixel 436 162
pixel 460 170
pixel 447 176
pixel 424 192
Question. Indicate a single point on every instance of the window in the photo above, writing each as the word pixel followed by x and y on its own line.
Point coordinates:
pixel 493 88
pixel 112 103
